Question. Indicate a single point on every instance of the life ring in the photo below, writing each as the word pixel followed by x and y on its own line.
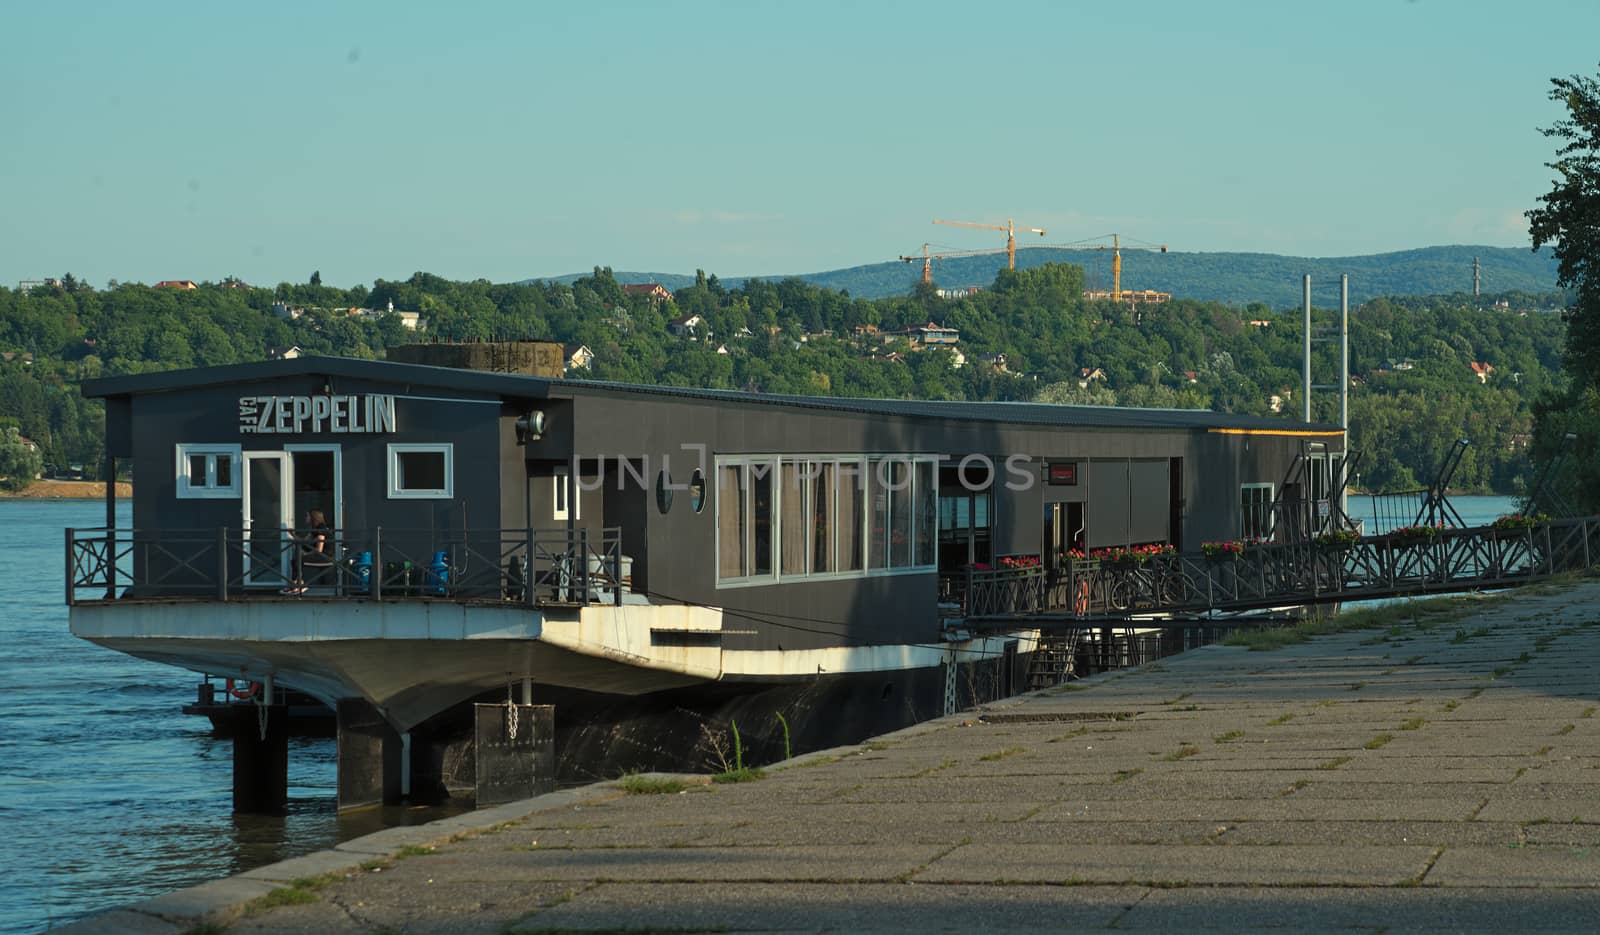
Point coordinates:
pixel 250 690
pixel 1080 603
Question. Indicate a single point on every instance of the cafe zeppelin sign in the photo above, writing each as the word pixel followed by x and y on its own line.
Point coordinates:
pixel 314 415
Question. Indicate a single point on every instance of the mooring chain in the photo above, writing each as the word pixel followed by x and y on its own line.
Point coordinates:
pixel 261 711
pixel 511 712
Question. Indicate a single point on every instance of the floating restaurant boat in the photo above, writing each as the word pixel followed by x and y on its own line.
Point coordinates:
pixel 654 561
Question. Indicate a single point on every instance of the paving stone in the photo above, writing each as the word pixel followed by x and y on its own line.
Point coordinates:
pixel 1268 865
pixel 867 863
pixel 120 922
pixel 1530 865
pixel 311 865
pixel 847 907
pixel 1541 810
pixel 1372 833
pixel 196 902
pixel 1381 910
pixel 1274 809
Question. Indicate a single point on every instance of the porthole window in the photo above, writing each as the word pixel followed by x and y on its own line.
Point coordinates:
pixel 664 491
pixel 697 491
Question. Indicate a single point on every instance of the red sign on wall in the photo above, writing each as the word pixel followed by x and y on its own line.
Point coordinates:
pixel 1061 473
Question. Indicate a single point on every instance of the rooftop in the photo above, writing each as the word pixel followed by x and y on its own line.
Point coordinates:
pixel 526 387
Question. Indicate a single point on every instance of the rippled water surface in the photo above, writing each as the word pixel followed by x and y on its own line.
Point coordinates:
pixel 108 793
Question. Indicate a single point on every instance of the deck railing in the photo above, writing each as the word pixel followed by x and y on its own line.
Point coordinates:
pixel 531 566
pixel 1288 574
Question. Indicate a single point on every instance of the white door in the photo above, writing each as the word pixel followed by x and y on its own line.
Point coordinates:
pixel 268 518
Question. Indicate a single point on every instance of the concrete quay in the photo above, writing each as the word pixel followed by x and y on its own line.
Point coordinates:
pixel 1431 779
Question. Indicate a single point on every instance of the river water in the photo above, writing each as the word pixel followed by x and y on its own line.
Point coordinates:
pixel 108 793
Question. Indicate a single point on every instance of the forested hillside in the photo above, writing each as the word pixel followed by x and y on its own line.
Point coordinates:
pixel 1028 335
pixel 1235 278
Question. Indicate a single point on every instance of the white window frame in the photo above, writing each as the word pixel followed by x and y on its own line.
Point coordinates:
pixel 558 498
pixel 1269 488
pixel 209 490
pixel 393 463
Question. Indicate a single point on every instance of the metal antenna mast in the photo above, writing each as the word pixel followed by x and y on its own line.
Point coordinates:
pixel 1327 335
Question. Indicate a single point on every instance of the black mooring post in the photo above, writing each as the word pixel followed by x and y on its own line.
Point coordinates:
pixel 369 756
pixel 110 469
pixel 67 578
pixel 260 758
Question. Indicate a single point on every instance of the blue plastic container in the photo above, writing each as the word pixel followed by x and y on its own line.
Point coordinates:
pixel 438 574
pixel 361 573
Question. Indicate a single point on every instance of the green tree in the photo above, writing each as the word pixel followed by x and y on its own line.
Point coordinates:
pixel 19 463
pixel 1568 218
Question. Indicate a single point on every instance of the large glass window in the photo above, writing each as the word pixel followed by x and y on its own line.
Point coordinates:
pixel 792 497
pixel 878 530
pixel 791 518
pixel 732 559
pixel 823 500
pixel 901 515
pixel 851 514
pixel 927 513
pixel 761 484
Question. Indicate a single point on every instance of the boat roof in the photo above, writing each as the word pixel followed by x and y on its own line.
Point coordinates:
pixel 523 387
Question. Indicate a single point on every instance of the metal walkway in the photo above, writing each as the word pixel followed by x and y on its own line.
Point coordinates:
pixel 1195 586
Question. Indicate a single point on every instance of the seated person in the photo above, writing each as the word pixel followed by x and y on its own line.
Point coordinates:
pixel 314 557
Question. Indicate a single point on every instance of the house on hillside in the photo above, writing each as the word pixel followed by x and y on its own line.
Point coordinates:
pixel 654 292
pixel 176 284
pixel 279 352
pixel 1482 371
pixel 1191 376
pixel 996 362
pixel 236 284
pixel 576 357
pixel 17 357
pixel 1088 375
pixel 689 326
pixel 930 335
pixel 286 311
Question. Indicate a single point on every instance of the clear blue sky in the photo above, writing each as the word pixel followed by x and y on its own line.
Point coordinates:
pixel 144 141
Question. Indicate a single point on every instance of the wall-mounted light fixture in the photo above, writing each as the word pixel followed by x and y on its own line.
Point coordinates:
pixel 530 428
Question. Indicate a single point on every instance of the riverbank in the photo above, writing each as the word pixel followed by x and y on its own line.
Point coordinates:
pixel 67 490
pixel 1439 774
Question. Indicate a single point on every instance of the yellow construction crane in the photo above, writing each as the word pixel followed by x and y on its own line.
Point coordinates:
pixel 1011 235
pixel 928 258
pixel 1116 255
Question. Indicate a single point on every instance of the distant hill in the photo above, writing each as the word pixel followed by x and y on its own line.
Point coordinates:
pixel 1234 278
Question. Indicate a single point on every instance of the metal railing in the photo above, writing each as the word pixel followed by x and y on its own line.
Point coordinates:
pixel 1287 574
pixel 532 566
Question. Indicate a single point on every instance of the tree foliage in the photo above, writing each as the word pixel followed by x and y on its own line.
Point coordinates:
pixel 1568 219
pixel 1030 335
pixel 19 464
